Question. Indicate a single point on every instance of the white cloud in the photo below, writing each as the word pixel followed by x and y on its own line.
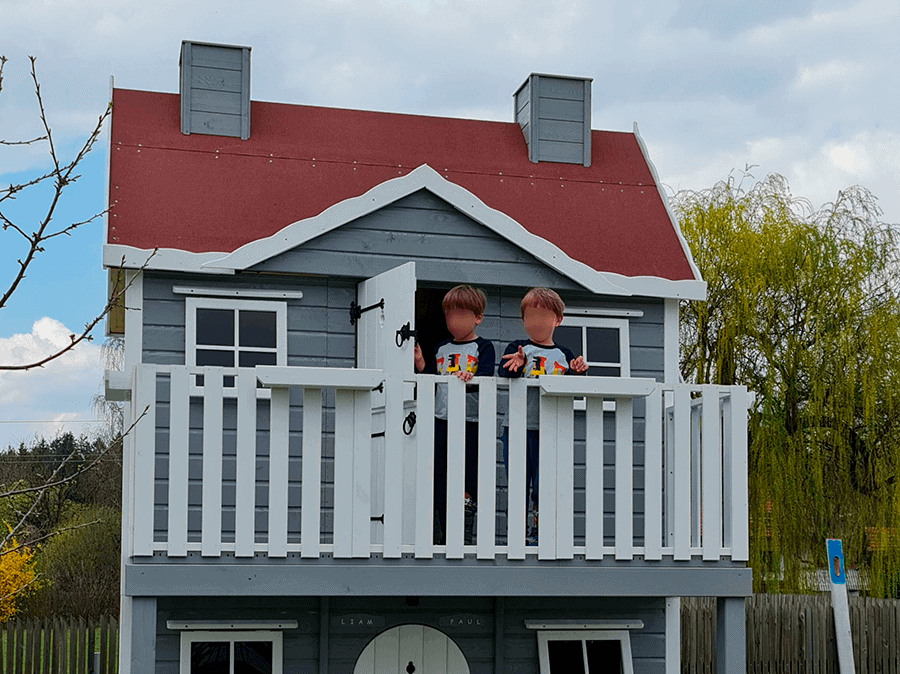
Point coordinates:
pixel 60 391
pixel 827 75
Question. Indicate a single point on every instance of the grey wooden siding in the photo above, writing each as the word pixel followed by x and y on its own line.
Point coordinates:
pixel 554 114
pixel 300 645
pixel 215 89
pixel 320 334
pixel 517 644
pixel 446 245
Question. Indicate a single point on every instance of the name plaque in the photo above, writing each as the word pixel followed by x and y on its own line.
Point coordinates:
pixel 356 622
pixel 466 621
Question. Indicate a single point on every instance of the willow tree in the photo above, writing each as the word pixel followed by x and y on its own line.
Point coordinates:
pixel 804 309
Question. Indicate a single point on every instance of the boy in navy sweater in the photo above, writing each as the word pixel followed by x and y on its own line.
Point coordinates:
pixel 465 356
pixel 542 312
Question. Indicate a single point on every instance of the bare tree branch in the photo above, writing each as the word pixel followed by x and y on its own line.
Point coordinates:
pixel 63 175
pixel 20 589
pixel 115 296
pixel 37 540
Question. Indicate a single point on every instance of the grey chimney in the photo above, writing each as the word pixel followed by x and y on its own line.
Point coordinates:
pixel 215 89
pixel 554 112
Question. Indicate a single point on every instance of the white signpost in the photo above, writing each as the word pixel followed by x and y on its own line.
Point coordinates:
pixel 840 604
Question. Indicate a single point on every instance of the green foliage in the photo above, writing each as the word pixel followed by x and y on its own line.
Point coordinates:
pixel 80 566
pixel 803 308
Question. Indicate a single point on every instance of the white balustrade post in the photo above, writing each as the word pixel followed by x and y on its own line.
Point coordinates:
pixel 593 525
pixel 425 467
pixel 456 465
pixel 515 520
pixel 740 502
pixel 681 435
pixel 548 525
pixel 211 495
pixel 245 487
pixel 487 466
pixel 279 442
pixel 712 475
pixel 344 482
pixel 144 458
pixel 311 477
pixel 624 479
pixel 653 476
pixel 179 406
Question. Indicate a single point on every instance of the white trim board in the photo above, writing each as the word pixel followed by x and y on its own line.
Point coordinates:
pixel 386 193
pixel 208 625
pixel 662 195
pixel 198 291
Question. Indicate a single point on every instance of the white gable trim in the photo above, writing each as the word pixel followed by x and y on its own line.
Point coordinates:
pixel 384 194
pixel 672 218
pixel 424 177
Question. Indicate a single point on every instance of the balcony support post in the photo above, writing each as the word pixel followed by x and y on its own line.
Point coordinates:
pixel 731 635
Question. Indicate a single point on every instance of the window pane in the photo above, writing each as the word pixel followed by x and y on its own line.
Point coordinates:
pixel 253 657
pixel 215 327
pixel 570 338
pixel 257 328
pixel 566 657
pixel 209 657
pixel 253 358
pixel 603 371
pixel 603 345
pixel 604 656
pixel 217 358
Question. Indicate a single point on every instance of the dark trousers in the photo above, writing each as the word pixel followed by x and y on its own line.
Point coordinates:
pixel 532 447
pixel 440 468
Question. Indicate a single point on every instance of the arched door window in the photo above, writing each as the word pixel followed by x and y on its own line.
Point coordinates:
pixel 415 649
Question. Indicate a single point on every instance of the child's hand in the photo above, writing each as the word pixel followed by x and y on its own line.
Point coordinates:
pixel 465 376
pixel 578 365
pixel 514 361
pixel 419 359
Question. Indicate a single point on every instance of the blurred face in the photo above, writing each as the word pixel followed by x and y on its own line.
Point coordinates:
pixel 539 324
pixel 461 323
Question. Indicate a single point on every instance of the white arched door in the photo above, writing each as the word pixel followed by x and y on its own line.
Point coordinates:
pixel 415 649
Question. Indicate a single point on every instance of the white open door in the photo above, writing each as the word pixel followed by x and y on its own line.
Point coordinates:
pixel 380 346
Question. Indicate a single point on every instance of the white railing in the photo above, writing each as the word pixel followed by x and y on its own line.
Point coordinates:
pixel 693 469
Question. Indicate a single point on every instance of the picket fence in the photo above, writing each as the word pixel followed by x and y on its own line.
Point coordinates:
pixel 794 634
pixel 60 646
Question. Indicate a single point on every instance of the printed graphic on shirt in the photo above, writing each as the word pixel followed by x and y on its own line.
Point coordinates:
pixel 454 363
pixel 543 359
pixel 476 357
pixel 452 358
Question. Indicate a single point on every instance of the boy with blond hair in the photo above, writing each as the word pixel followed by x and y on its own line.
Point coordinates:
pixel 465 355
pixel 542 312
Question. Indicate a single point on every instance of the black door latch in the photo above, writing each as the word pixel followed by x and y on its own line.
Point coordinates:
pixel 404 333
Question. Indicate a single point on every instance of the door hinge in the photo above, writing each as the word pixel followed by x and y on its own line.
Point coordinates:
pixel 356 311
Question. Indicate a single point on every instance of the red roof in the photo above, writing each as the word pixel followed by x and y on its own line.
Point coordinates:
pixel 202 193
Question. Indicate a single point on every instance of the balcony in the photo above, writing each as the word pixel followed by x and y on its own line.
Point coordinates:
pixel 296 464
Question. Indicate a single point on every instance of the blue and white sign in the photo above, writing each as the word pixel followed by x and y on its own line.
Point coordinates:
pixel 836 561
pixel 840 604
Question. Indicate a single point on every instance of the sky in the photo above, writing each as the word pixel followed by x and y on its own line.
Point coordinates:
pixel 809 89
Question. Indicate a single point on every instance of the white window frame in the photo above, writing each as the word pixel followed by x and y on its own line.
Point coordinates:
pixel 190 637
pixel 622 636
pixel 191 304
pixel 592 321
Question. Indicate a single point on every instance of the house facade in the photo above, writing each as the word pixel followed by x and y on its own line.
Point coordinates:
pixel 282 261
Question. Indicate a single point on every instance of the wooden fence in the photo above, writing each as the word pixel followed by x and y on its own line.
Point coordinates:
pixel 59 646
pixel 794 634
